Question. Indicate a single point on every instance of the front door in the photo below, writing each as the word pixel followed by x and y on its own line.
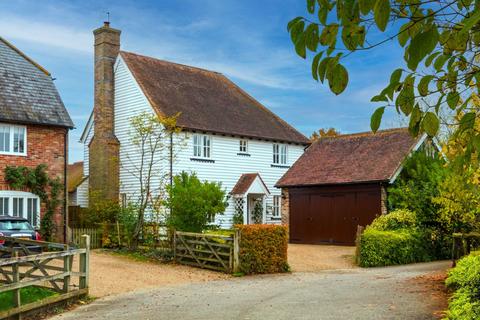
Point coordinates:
pixel 255 209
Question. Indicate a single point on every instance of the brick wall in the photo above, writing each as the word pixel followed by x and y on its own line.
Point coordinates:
pixel 285 207
pixel 45 145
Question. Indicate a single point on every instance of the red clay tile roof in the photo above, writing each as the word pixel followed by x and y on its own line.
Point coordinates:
pixel 353 158
pixel 244 183
pixel 74 175
pixel 207 100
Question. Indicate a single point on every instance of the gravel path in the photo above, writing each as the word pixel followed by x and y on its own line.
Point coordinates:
pixel 112 274
pixel 312 258
pixel 379 293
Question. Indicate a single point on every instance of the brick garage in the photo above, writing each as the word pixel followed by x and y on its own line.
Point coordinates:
pixel 342 182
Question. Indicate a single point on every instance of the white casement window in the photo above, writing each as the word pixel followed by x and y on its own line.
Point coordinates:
pixel 243 146
pixel 20 204
pixel 13 139
pixel 201 146
pixel 279 153
pixel 276 206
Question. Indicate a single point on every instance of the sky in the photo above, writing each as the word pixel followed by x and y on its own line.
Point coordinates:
pixel 246 40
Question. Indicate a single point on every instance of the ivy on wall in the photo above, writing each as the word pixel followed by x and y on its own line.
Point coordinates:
pixel 37 181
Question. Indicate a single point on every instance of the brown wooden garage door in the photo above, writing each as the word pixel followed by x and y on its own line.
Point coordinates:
pixel 332 214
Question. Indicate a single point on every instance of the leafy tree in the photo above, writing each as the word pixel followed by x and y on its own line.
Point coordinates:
pixel 151 137
pixel 193 203
pixel 330 132
pixel 416 187
pixel 440 40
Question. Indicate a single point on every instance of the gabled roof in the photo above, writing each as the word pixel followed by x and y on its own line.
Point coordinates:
pixel 245 182
pixel 75 175
pixel 27 92
pixel 352 158
pixel 207 101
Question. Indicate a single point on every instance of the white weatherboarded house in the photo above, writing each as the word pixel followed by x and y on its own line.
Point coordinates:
pixel 227 135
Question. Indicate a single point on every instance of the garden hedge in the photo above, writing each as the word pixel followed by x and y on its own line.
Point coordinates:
pixel 465 279
pixel 383 248
pixel 263 249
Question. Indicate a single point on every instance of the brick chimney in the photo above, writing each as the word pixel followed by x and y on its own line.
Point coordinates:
pixel 104 147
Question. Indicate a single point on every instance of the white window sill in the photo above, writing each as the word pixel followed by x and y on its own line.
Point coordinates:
pixel 13 154
pixel 207 160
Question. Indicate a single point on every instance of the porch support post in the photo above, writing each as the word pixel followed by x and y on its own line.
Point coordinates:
pixel 264 208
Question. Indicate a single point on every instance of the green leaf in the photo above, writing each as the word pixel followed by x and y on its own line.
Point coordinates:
pixel 406 98
pixel 423 85
pixel 379 97
pixel 322 68
pixel 382 13
pixel 311 37
pixel 415 117
pixel 293 22
pixel 315 63
pixel 440 61
pixel 329 34
pixel 376 119
pixel 311 6
pixel 296 30
pixel 403 34
pixel 452 99
pixel 338 79
pixel 421 45
pixel 366 6
pixel 323 14
pixel 467 121
pixel 469 22
pixel 396 75
pixel 300 47
pixel 430 58
pixel 430 124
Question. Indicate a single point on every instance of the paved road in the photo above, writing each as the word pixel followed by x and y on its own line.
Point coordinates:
pixel 381 293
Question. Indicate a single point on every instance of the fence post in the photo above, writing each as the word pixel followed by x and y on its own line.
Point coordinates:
pixel 236 251
pixel 84 262
pixel 16 279
pixel 358 239
pixel 67 268
pixel 174 245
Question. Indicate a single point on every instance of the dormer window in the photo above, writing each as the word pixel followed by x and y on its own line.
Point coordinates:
pixel 243 146
pixel 279 153
pixel 201 146
pixel 13 139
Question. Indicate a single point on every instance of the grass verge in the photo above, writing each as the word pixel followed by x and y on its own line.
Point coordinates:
pixel 27 295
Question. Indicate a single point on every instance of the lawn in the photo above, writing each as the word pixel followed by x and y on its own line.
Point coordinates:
pixel 27 295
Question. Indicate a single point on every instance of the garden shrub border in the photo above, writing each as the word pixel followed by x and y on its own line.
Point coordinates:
pixel 263 248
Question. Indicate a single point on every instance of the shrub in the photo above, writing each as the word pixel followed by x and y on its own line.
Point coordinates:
pixel 383 248
pixel 194 203
pixel 263 248
pixel 465 278
pixel 397 219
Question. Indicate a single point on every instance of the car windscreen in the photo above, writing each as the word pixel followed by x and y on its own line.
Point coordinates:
pixel 15 226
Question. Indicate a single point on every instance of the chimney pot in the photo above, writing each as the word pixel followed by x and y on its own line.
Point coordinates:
pixel 106 24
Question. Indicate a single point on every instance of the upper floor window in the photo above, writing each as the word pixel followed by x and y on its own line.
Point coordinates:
pixel 243 146
pixel 12 139
pixel 276 206
pixel 201 146
pixel 279 153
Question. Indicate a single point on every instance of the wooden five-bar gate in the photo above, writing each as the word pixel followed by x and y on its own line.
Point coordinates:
pixel 216 252
pixel 26 263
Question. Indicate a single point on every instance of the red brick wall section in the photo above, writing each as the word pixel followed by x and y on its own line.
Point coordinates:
pixel 45 145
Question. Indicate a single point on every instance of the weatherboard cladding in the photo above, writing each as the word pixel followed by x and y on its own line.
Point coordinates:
pixel 352 158
pixel 206 101
pixel 27 93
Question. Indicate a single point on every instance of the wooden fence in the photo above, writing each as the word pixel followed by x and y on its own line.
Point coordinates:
pixel 463 243
pixel 95 235
pixel 54 270
pixel 216 252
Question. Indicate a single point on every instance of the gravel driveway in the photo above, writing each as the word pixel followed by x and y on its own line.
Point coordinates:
pixel 380 293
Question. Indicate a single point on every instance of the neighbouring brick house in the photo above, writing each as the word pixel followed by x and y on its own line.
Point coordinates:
pixel 34 126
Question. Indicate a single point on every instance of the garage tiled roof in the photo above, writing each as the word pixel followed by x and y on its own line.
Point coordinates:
pixel 27 91
pixel 207 101
pixel 353 158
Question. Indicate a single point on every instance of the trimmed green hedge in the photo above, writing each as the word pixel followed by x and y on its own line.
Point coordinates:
pixel 383 248
pixel 263 248
pixel 465 279
pixel 397 219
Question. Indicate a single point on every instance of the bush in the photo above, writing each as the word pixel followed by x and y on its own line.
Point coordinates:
pixel 383 248
pixel 398 219
pixel 194 203
pixel 263 248
pixel 465 278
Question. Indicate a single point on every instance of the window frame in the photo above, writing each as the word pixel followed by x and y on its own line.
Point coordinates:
pixel 25 198
pixel 202 146
pixel 11 139
pixel 277 207
pixel 280 154
pixel 245 146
